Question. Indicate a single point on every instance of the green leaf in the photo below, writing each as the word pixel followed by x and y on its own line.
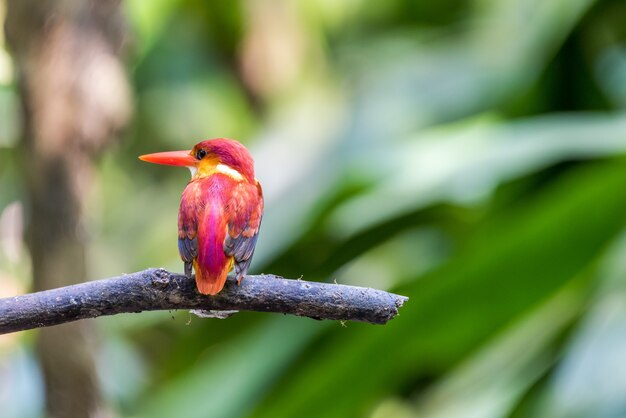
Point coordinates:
pixel 230 379
pixel 515 260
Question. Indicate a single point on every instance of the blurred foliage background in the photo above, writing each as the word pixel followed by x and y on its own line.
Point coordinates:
pixel 470 155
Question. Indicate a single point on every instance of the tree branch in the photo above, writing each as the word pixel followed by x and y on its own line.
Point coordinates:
pixel 158 289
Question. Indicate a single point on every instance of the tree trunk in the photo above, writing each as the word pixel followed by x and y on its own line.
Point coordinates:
pixel 75 97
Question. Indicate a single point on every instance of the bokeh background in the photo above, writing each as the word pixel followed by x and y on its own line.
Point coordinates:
pixel 468 154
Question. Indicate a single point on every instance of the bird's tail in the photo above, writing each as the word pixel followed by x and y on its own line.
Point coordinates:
pixel 211 284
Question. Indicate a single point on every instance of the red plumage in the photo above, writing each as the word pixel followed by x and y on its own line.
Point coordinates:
pixel 220 211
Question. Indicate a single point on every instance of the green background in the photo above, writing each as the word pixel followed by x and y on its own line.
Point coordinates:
pixel 470 155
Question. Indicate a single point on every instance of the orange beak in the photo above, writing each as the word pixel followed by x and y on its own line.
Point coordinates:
pixel 176 158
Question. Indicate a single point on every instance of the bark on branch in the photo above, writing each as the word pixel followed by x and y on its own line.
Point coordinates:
pixel 158 289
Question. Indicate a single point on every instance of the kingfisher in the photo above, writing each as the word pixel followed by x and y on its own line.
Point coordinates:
pixel 220 210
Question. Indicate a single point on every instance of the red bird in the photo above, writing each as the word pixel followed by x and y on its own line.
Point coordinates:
pixel 220 210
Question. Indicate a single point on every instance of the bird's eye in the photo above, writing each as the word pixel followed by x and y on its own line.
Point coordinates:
pixel 200 154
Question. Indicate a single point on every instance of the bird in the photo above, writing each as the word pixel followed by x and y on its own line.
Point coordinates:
pixel 220 213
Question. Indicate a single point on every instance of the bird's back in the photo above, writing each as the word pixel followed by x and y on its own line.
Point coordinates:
pixel 218 222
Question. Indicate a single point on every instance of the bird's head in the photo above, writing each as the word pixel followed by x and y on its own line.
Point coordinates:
pixel 219 155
